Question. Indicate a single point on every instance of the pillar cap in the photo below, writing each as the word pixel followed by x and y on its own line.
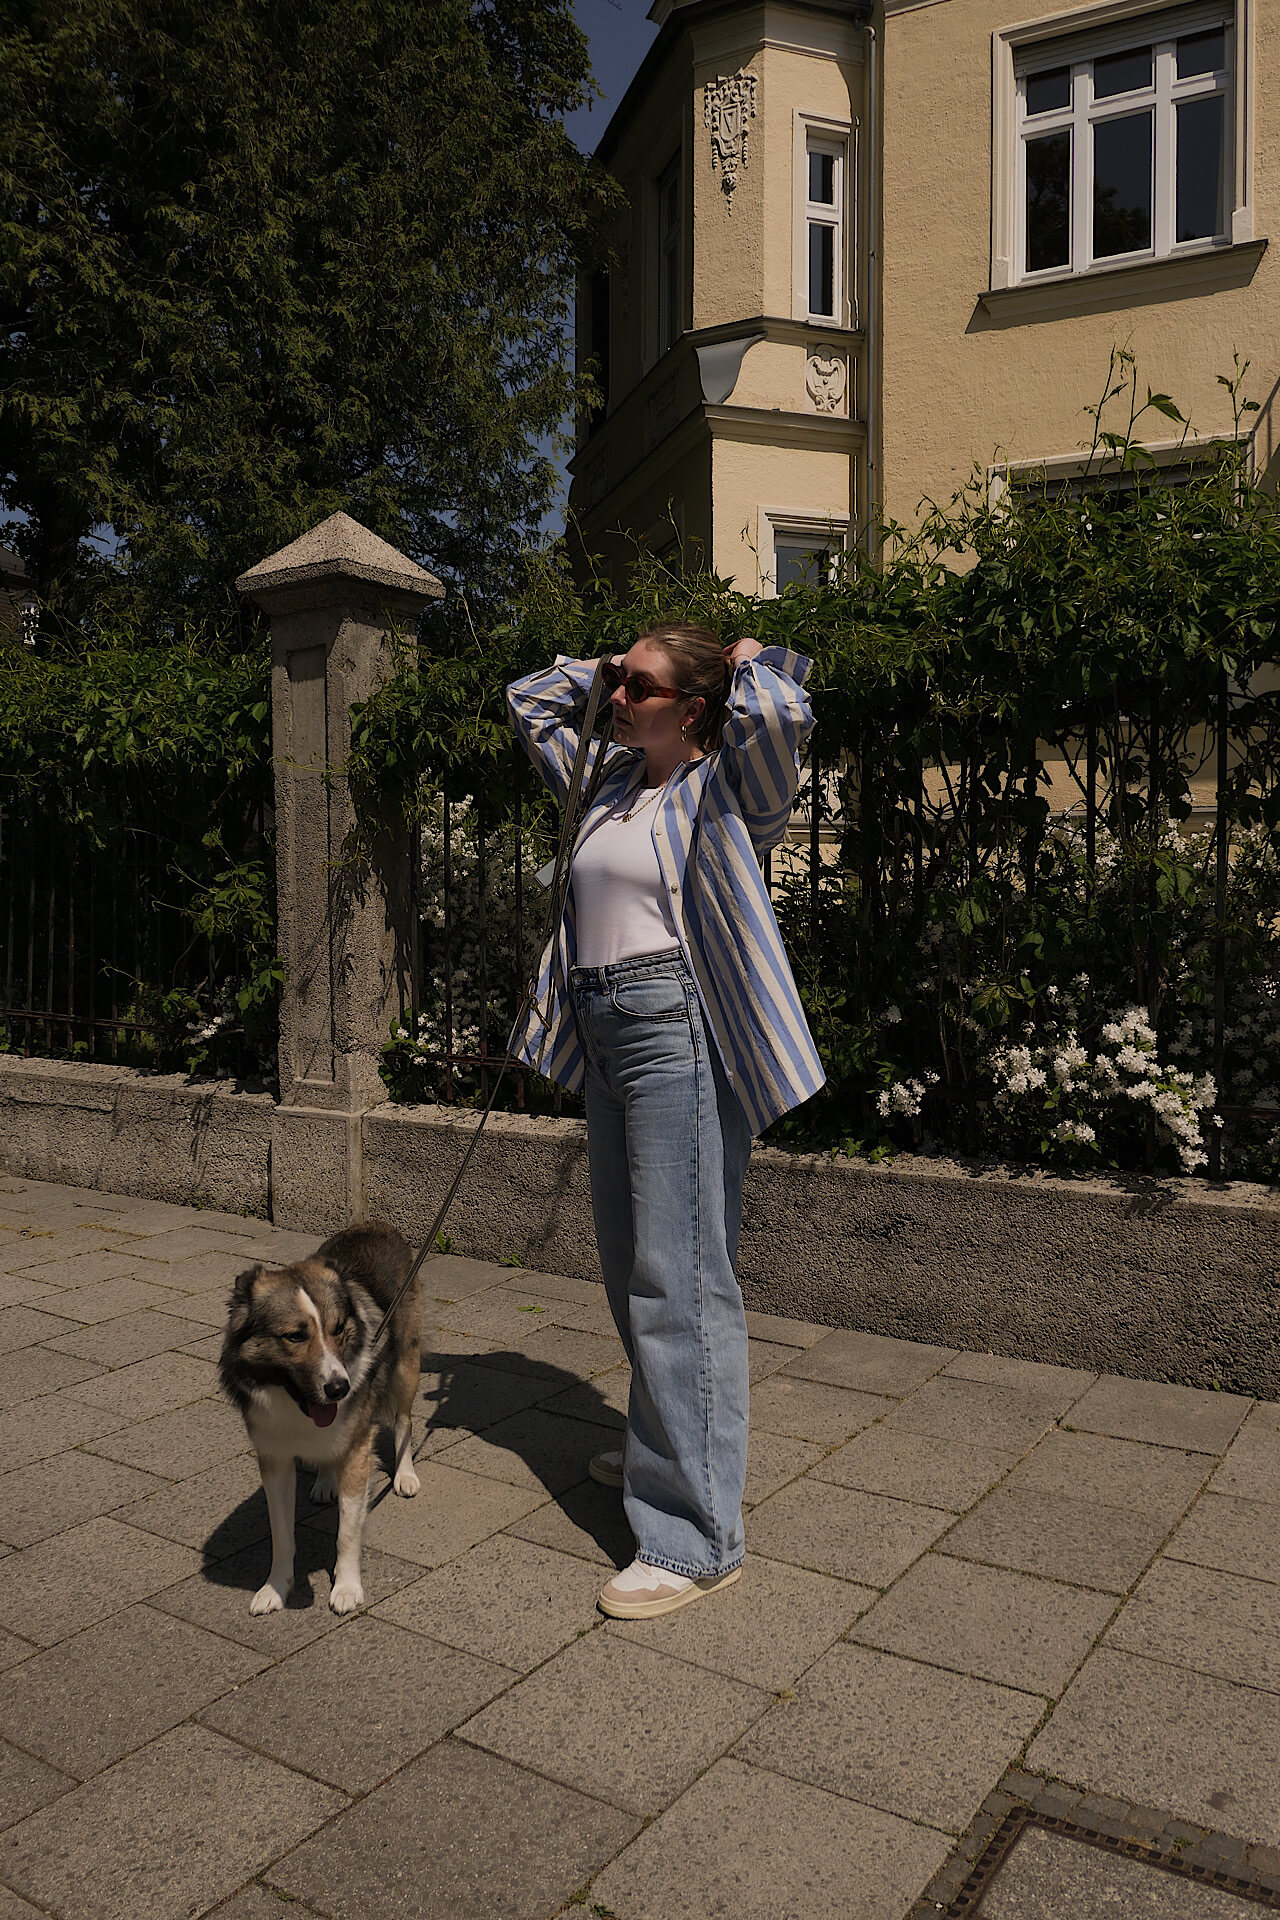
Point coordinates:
pixel 339 548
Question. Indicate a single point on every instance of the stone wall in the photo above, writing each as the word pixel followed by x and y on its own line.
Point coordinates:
pixel 1166 1280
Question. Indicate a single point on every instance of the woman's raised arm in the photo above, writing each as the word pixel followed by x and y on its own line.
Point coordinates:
pixel 768 718
pixel 546 710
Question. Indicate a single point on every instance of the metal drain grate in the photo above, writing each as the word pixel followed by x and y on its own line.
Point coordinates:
pixel 966 1904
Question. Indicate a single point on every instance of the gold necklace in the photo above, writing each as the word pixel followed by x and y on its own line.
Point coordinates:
pixel 651 793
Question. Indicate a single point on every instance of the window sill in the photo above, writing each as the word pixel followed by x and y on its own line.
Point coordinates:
pixel 1174 278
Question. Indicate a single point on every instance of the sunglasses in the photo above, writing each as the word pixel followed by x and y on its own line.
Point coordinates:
pixel 636 686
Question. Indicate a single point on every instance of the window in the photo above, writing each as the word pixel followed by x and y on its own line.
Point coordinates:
pixel 824 228
pixel 825 171
pixel 799 549
pixel 669 251
pixel 1125 146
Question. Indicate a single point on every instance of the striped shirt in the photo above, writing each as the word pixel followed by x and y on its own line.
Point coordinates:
pixel 717 819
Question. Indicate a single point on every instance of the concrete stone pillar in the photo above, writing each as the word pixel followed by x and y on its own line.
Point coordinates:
pixel 335 598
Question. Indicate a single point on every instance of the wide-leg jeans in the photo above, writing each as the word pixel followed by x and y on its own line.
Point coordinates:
pixel 669 1144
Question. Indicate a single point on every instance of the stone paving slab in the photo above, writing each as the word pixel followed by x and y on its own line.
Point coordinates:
pixel 1082 1541
pixel 93 1698
pixel 980 1413
pixel 987 1622
pixel 399 1694
pixel 908 1738
pixel 916 1466
pixel 954 1561
pixel 870 1363
pixel 61 1491
pixel 508 1598
pixel 1237 1536
pixel 1215 1622
pixel 1119 1473
pixel 813 1409
pixel 766 1630
pixel 751 1844
pixel 1252 1466
pixel 836 1530
pixel 644 1725
pixel 166 1832
pixel 1165 1736
pixel 1166 1415
pixel 26 1783
pixel 457 1833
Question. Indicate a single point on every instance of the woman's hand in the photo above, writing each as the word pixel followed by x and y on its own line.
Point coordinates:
pixel 742 651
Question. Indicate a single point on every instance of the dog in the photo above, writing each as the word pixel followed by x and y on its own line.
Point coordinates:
pixel 299 1361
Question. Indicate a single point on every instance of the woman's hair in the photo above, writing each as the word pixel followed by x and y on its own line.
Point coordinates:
pixel 700 668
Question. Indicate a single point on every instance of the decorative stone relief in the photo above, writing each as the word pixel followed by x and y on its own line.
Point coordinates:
pixel 728 105
pixel 826 379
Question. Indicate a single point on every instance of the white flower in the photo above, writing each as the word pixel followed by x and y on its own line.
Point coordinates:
pixel 892 1016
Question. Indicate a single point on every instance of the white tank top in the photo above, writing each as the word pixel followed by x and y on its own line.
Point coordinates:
pixel 619 896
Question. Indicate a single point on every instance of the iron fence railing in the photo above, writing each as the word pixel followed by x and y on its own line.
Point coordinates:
pixel 872 846
pixel 99 957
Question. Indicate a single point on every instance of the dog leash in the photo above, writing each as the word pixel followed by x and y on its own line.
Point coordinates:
pixel 576 805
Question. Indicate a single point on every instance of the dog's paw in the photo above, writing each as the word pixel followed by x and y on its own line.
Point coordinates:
pixel 347 1596
pixel 325 1488
pixel 406 1482
pixel 268 1599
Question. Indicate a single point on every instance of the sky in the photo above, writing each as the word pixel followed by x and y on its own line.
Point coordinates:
pixel 620 35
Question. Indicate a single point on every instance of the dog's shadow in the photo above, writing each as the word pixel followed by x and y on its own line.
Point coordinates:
pixel 496 1397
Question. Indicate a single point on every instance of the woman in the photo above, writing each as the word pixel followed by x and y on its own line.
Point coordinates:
pixel 667 993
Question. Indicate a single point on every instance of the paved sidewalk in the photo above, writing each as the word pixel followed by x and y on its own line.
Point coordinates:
pixel 978 1592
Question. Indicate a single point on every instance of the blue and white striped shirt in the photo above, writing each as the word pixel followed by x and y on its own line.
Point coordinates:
pixel 717 819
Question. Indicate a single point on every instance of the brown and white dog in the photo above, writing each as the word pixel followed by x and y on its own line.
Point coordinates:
pixel 299 1361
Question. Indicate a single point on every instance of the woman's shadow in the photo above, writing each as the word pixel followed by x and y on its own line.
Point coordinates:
pixel 478 1408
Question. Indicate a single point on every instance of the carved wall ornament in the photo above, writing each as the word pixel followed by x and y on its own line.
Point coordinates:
pixel 728 106
pixel 826 377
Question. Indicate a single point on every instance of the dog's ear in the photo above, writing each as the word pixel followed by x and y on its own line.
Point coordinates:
pixel 244 1282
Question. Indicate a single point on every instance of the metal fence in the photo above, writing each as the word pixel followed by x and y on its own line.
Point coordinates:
pixel 99 959
pixel 869 848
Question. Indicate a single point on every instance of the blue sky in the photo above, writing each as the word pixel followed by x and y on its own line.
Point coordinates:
pixel 620 36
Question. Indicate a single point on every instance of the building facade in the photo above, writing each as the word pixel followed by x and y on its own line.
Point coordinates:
pixel 868 248
pixel 730 333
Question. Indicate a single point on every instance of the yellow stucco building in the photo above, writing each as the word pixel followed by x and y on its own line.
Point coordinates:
pixel 868 246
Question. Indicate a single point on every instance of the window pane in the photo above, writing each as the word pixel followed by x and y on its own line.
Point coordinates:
pixel 822 269
pixel 1045 91
pixel 1202 53
pixel 822 179
pixel 1122 185
pixel 1201 172
pixel 1048 202
pixel 796 564
pixel 1121 72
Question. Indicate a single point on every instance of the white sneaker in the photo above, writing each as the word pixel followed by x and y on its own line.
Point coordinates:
pixel 641 1591
pixel 606 1467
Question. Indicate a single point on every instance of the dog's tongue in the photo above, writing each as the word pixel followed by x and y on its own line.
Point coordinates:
pixel 324 1412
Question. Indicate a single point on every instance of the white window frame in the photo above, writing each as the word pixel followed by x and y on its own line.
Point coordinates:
pixel 669 257
pixel 818 530
pixel 814 133
pixel 1177 460
pixel 1070 38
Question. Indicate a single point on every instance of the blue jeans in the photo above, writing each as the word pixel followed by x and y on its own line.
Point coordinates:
pixel 669 1144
